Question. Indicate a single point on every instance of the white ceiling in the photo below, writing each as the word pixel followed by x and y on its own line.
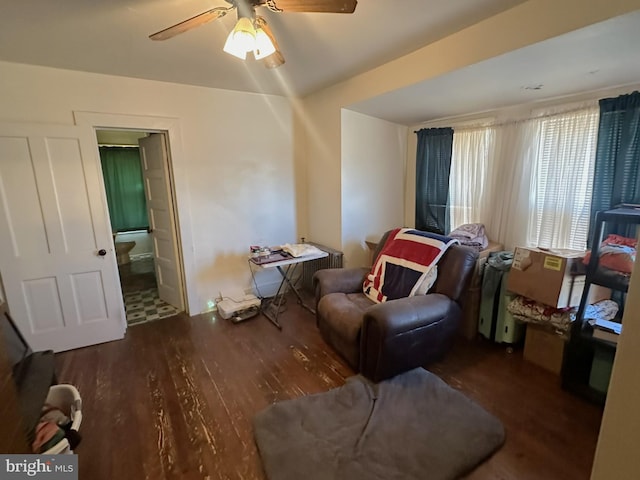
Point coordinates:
pixel 597 57
pixel 111 37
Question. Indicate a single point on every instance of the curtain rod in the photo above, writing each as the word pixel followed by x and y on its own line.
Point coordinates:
pixel 534 114
pixel 514 121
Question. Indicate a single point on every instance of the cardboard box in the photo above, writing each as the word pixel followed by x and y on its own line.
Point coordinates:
pixel 552 277
pixel 544 347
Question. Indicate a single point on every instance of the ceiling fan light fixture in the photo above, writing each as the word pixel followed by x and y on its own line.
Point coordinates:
pixel 263 46
pixel 251 33
pixel 242 38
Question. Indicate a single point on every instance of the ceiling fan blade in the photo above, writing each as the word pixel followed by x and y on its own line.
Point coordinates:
pixel 192 22
pixel 326 6
pixel 275 59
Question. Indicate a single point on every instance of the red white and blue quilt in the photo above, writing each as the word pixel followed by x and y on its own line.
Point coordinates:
pixel 406 259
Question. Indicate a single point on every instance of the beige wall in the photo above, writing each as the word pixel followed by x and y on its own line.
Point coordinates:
pixel 237 174
pixel 322 158
pixel 373 156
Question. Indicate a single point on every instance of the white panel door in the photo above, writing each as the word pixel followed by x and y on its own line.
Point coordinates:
pixel 62 291
pixel 155 170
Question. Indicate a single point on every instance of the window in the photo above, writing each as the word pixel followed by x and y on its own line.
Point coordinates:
pixel 529 181
pixel 563 180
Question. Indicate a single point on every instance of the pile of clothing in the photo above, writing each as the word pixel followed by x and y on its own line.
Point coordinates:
pixel 471 235
pixel 530 311
pixel 616 253
pixel 53 427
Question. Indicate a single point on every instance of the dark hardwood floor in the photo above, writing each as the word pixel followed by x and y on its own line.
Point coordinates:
pixel 175 399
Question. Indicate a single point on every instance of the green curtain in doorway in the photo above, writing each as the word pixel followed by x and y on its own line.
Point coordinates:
pixel 125 189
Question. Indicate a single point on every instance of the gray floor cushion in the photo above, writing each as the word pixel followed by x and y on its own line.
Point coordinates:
pixel 413 426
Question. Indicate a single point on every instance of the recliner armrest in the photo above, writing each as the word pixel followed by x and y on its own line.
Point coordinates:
pixel 405 314
pixel 338 280
pixel 406 333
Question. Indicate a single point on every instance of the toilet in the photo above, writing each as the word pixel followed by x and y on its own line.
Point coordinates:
pixel 122 251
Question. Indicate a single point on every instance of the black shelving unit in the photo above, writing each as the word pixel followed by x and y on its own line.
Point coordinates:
pixel 580 350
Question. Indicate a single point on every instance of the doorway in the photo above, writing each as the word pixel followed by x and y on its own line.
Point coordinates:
pixel 130 199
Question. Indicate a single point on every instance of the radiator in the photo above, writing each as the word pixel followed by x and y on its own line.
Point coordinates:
pixel 334 260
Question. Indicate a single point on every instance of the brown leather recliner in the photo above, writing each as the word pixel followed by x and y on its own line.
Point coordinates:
pixel 384 339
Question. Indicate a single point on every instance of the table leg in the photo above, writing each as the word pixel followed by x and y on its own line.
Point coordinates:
pixel 276 303
pixel 287 278
pixel 273 316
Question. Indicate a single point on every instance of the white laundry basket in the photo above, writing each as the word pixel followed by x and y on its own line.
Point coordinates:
pixel 66 398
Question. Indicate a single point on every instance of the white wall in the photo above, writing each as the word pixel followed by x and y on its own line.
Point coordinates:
pixel 237 155
pixel 373 169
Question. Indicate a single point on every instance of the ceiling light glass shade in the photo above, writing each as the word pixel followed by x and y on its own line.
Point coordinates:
pixel 264 46
pixel 242 39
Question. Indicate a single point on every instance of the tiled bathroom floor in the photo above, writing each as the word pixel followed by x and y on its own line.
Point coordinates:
pixel 144 306
pixel 140 293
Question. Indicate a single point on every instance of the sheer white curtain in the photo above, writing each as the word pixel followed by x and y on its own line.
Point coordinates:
pixel 514 154
pixel 530 181
pixel 563 173
pixel 469 190
pixel 491 177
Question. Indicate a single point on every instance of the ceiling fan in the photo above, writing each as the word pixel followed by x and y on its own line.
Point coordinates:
pixel 251 32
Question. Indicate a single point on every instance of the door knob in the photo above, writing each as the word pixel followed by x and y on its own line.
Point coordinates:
pixel 102 252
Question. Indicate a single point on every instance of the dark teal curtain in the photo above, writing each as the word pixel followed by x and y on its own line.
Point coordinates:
pixel 125 189
pixel 433 166
pixel 616 177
